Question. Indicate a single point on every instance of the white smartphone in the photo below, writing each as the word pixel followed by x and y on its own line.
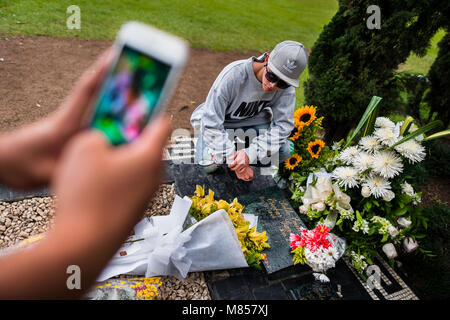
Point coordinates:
pixel 139 82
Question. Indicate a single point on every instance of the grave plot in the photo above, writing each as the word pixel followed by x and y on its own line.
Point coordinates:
pixel 280 279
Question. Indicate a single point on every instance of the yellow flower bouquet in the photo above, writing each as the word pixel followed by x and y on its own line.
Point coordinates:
pixel 252 242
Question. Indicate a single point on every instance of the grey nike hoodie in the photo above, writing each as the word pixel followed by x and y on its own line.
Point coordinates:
pixel 236 100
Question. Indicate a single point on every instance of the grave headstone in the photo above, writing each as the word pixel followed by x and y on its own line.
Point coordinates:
pixel 278 219
pixel 11 194
pixel 223 181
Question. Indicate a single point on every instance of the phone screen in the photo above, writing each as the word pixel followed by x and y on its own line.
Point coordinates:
pixel 129 96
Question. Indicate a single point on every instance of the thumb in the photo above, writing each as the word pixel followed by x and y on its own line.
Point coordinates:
pixel 87 141
pixel 153 139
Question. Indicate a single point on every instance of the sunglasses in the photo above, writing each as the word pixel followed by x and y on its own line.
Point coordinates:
pixel 271 77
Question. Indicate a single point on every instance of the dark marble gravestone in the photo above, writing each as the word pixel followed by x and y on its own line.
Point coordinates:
pixel 223 181
pixel 8 194
pixel 278 219
pixel 260 197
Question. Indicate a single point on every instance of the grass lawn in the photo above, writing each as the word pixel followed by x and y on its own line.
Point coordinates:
pixel 217 25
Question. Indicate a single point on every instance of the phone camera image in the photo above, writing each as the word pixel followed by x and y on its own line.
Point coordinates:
pixel 129 96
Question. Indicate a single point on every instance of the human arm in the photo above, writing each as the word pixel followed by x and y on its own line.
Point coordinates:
pixel 102 192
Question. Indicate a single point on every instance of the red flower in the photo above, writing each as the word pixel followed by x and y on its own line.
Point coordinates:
pixel 314 239
pixel 295 241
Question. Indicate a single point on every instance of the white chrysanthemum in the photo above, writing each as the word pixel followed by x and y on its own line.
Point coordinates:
pixel 383 122
pixel 386 136
pixel 411 150
pixel 369 144
pixel 387 163
pixel 346 177
pixel 363 161
pixel 378 185
pixel 349 154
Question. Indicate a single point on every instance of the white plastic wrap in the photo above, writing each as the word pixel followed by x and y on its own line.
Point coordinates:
pixel 167 249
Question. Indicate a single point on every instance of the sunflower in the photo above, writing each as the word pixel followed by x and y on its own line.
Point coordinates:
pixel 295 133
pixel 314 148
pixel 292 161
pixel 304 116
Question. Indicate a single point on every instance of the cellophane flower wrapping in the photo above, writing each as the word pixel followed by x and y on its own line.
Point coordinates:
pixel 317 248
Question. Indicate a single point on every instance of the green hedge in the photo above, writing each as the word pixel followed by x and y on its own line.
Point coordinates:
pixel 350 63
pixel 431 276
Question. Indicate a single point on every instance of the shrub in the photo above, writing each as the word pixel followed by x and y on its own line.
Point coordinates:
pixel 431 276
pixel 439 95
pixel 350 62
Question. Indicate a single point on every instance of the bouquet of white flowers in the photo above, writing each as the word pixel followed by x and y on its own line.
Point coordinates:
pixel 364 192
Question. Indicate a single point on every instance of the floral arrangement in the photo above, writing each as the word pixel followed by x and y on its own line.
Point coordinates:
pixel 363 192
pixel 316 248
pixel 308 148
pixel 252 242
pixel 127 289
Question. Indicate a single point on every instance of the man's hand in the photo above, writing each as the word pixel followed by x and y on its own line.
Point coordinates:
pixel 28 155
pixel 241 165
pixel 245 174
pixel 110 186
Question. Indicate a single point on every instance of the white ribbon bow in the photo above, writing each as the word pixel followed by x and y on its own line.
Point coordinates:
pixel 166 249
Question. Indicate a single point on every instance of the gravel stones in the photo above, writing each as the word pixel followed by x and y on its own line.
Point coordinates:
pixel 192 288
pixel 22 219
pixel 162 201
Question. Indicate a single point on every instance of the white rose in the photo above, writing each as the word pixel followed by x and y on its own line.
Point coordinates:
pixel 319 206
pixel 365 192
pixel 410 245
pixel 408 189
pixel 303 209
pixel 393 231
pixel 389 196
pixel 389 250
pixel 404 223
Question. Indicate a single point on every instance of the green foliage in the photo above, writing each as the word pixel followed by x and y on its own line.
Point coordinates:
pixel 429 126
pixel 413 88
pixel 438 97
pixel 368 118
pixel 350 62
pixel 299 255
pixel 437 162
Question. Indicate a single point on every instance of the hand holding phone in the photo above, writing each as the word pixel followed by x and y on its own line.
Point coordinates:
pixel 139 82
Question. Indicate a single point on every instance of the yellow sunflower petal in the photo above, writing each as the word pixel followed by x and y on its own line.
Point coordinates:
pixel 314 148
pixel 304 116
pixel 292 161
